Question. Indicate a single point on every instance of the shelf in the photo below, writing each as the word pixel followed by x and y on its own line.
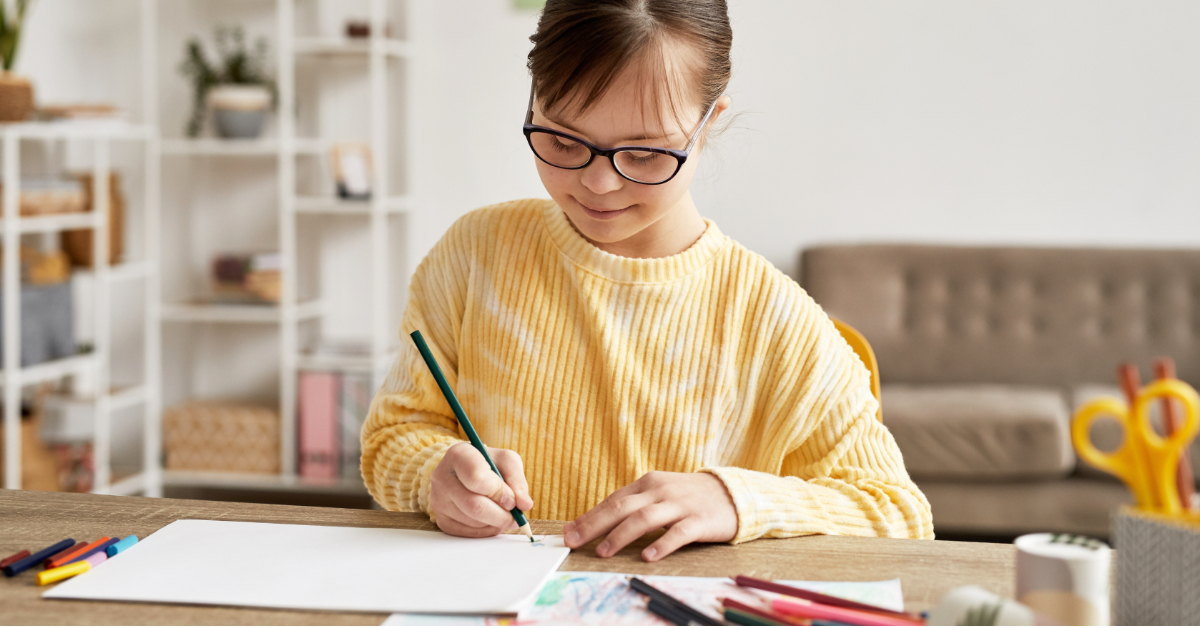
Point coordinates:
pixel 238 148
pixel 126 398
pixel 336 206
pixel 353 363
pixel 77 129
pixel 53 370
pixel 125 271
pixel 264 482
pixel 52 223
pixel 343 47
pixel 128 485
pixel 223 313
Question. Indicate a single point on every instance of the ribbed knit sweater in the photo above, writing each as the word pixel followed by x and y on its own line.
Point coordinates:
pixel 597 368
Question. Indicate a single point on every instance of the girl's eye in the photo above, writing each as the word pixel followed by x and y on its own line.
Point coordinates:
pixel 640 157
pixel 563 144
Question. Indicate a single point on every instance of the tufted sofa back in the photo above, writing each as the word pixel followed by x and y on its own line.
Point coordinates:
pixel 1044 316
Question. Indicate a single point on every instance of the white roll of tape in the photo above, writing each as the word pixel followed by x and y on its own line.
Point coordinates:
pixel 1064 578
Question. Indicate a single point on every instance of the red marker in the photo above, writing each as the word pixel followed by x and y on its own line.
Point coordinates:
pixel 79 545
pixel 14 558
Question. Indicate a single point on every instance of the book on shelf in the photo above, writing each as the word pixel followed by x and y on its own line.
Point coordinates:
pixel 333 407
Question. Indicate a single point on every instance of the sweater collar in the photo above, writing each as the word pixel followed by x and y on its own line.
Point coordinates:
pixel 628 269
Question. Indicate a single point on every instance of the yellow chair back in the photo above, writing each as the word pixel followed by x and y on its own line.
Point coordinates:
pixel 859 343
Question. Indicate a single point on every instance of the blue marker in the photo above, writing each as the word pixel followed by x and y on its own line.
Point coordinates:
pixel 34 559
pixel 122 545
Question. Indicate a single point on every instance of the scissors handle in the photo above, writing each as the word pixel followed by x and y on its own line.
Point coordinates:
pixel 1163 454
pixel 1126 461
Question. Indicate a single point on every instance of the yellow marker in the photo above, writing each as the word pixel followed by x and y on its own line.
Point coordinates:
pixel 64 572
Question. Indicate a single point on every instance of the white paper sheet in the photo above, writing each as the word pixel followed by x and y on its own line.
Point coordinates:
pixel 323 568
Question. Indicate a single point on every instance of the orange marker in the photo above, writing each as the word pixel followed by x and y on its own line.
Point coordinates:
pixel 63 560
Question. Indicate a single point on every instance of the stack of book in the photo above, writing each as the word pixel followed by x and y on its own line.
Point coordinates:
pixel 333 406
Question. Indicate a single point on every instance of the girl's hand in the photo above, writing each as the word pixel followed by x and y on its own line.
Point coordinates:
pixel 469 499
pixel 692 506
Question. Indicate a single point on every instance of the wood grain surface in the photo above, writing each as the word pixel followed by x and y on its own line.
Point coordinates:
pixel 33 520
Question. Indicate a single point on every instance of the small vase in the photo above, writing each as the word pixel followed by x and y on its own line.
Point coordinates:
pixel 239 111
pixel 16 97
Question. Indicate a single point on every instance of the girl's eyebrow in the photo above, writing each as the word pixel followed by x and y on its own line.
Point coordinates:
pixel 568 127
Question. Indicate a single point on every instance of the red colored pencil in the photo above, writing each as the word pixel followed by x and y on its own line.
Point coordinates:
pixel 821 598
pixel 813 610
pixel 1164 368
pixel 77 546
pixel 765 613
pixel 14 558
pixel 62 560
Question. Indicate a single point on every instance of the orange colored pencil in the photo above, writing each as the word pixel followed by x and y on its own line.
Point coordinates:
pixel 59 562
pixel 59 555
pixel 1164 368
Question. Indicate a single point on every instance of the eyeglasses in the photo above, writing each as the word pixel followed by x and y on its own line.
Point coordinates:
pixel 648 165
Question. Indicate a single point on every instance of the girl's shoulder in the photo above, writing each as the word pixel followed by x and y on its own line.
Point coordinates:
pixel 491 220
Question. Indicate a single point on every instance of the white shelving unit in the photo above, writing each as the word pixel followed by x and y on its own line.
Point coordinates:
pixel 96 363
pixel 378 54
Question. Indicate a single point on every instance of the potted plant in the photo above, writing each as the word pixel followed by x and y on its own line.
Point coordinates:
pixel 236 88
pixel 16 93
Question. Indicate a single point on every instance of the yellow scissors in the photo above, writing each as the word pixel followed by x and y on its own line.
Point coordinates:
pixel 1145 461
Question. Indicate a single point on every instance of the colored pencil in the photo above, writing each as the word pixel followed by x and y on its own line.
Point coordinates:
pixel 37 557
pixel 745 618
pixel 642 587
pixel 771 615
pixel 79 545
pixel 671 614
pixel 1164 368
pixel 464 422
pixel 79 553
pixel 820 598
pixel 14 558
pixel 824 612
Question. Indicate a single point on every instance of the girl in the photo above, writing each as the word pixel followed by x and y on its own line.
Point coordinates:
pixel 634 367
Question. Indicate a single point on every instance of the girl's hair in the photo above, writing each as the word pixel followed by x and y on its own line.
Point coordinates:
pixel 581 46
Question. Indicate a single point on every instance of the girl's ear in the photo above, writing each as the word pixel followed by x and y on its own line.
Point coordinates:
pixel 722 105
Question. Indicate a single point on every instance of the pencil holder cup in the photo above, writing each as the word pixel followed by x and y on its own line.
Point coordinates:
pixel 1158 568
pixel 1064 578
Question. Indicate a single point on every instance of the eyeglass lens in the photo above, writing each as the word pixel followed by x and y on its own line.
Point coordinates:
pixel 642 166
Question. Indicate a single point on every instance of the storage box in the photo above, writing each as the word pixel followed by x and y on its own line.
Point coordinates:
pixel 1158 568
pixel 219 436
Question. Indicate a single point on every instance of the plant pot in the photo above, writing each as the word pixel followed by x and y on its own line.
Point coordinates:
pixel 16 97
pixel 239 111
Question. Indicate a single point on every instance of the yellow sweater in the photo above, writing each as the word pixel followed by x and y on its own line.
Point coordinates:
pixel 597 369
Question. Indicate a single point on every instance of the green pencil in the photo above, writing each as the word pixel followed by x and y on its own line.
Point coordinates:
pixel 464 421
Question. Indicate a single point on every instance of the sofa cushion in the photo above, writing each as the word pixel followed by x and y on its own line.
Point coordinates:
pixel 1107 435
pixel 980 432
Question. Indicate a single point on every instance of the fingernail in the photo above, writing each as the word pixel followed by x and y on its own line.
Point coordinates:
pixel 507 502
pixel 650 553
pixel 572 538
pixel 603 549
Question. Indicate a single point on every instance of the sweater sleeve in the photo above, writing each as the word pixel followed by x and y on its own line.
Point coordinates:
pixel 844 473
pixel 410 425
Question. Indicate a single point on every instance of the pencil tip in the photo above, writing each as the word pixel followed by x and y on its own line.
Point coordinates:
pixel 527 531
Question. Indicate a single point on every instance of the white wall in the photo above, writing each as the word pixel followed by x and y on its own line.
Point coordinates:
pixel 982 121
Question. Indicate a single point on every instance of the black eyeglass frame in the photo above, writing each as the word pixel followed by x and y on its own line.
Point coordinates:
pixel 679 155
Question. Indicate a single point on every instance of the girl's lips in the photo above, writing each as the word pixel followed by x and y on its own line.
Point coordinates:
pixel 604 214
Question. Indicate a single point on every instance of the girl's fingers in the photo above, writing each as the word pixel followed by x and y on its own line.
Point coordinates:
pixel 647 519
pixel 473 471
pixel 513 470
pixel 605 516
pixel 679 534
pixel 450 525
pixel 474 510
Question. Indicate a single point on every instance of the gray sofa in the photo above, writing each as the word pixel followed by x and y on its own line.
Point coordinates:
pixel 985 352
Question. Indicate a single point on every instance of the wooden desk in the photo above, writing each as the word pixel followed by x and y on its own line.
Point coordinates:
pixel 31 520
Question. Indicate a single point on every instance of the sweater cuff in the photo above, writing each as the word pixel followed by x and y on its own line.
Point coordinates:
pixel 434 457
pixel 740 484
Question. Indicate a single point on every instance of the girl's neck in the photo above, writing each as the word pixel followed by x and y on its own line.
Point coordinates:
pixel 670 235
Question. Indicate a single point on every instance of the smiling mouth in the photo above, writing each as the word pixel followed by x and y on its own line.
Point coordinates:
pixel 603 214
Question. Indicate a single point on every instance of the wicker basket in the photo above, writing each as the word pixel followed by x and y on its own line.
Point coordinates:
pixel 215 436
pixel 16 98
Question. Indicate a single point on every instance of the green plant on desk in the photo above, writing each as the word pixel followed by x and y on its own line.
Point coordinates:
pixel 10 32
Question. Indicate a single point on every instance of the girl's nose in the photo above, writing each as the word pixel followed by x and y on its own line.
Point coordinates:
pixel 599 177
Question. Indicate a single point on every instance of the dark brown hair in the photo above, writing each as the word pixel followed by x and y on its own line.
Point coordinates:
pixel 581 46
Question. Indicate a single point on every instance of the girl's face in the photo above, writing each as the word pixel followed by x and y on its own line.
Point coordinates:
pixel 614 213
